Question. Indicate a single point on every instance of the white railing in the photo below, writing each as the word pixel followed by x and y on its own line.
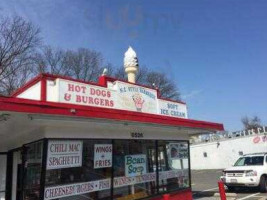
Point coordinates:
pixel 225 135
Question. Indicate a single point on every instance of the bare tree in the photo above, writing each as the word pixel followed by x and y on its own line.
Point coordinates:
pixel 166 86
pixel 251 123
pixel 51 60
pixel 18 42
pixel 83 64
pixel 153 79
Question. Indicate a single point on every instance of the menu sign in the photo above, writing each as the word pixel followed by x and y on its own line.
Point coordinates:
pixel 178 151
pixel 57 192
pixel 64 154
pixel 135 165
pixel 102 155
pixel 118 95
pixel 85 94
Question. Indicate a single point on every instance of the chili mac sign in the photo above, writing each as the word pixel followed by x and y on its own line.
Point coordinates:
pixel 64 154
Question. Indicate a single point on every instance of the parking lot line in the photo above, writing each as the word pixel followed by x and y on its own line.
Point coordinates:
pixel 209 189
pixel 205 190
pixel 246 197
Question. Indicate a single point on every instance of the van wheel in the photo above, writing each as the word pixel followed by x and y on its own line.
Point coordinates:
pixel 263 184
pixel 231 188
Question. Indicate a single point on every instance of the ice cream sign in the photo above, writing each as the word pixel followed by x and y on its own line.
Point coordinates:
pixel 118 95
pixel 172 109
pixel 136 98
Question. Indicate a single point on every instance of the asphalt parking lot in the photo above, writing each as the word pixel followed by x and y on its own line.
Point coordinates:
pixel 205 185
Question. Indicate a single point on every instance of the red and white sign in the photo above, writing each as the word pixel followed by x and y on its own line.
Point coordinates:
pixel 85 94
pixel 76 189
pixel 118 95
pixel 64 154
pixel 102 156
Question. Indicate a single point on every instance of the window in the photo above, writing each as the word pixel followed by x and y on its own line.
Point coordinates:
pixel 134 169
pixel 87 178
pixel 33 168
pixel 114 169
pixel 173 165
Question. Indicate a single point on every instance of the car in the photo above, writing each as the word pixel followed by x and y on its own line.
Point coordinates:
pixel 250 170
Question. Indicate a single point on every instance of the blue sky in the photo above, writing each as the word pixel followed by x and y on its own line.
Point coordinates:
pixel 214 50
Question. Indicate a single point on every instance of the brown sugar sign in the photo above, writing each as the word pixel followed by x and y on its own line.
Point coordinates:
pixel 64 154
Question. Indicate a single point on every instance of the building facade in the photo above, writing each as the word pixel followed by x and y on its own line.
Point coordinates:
pixel 67 139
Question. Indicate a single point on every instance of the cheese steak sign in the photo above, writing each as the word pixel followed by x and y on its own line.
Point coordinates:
pixel 118 95
pixel 64 154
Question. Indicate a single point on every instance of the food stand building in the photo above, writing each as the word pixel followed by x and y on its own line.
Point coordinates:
pixel 67 139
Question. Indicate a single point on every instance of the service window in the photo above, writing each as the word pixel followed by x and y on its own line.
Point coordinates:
pixel 78 169
pixel 134 169
pixel 173 167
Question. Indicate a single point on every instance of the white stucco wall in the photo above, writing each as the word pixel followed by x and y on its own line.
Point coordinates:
pixel 52 90
pixel 225 153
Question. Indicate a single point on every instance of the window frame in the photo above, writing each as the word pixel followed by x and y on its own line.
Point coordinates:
pixel 156 141
pixel 5 187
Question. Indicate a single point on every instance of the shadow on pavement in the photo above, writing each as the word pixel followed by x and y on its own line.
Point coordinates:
pixel 201 194
pixel 244 190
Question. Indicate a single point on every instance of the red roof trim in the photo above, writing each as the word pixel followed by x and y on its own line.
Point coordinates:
pixel 53 77
pixel 31 106
pixel 27 85
pixel 102 82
